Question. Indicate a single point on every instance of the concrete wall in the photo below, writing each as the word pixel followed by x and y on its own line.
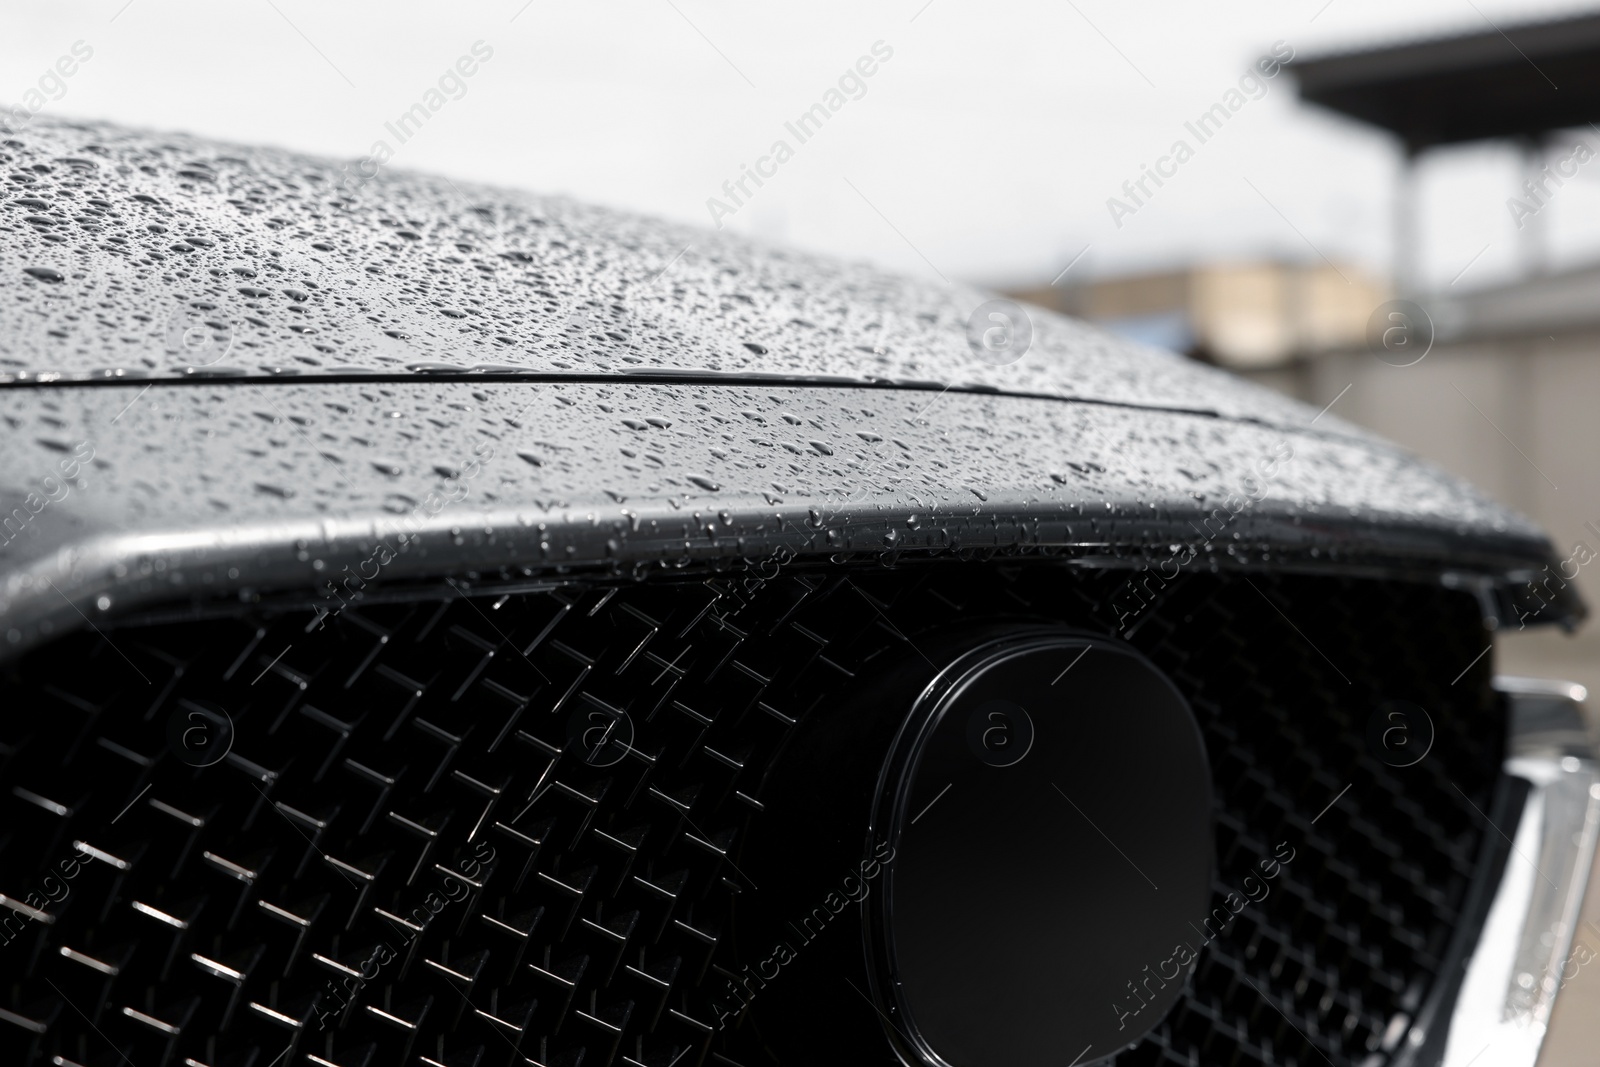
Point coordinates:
pixel 1519 419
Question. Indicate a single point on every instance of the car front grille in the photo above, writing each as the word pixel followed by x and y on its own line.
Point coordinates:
pixel 405 776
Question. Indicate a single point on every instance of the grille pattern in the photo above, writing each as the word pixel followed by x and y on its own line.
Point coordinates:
pixel 410 856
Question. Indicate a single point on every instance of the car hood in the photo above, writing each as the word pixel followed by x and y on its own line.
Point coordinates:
pixel 140 256
pixel 238 374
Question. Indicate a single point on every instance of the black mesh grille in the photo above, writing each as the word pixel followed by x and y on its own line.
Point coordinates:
pixel 214 912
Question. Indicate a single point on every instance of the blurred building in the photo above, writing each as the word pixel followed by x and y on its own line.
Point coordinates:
pixel 1263 318
pixel 1498 385
pixel 1494 384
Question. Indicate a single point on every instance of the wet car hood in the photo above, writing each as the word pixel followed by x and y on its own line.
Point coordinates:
pixel 120 243
pixel 232 373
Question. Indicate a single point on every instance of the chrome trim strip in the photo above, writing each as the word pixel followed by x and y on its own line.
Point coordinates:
pixel 1503 1009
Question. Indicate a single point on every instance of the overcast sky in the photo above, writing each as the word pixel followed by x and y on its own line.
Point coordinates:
pixel 984 148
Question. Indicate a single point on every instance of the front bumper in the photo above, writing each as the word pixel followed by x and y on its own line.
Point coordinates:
pixel 1514 974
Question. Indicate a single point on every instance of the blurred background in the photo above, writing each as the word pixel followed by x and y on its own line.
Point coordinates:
pixel 1440 152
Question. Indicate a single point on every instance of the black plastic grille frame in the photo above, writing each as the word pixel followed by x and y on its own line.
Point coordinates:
pixel 404 793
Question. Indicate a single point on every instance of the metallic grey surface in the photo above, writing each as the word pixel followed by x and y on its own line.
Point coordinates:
pixel 199 492
pixel 292 273
pixel 333 373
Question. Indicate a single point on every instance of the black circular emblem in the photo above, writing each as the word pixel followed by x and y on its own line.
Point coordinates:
pixel 1045 899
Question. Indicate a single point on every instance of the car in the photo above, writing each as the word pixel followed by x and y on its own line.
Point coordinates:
pixel 446 625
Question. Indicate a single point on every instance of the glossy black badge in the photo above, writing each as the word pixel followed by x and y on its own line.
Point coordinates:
pixel 1052 814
